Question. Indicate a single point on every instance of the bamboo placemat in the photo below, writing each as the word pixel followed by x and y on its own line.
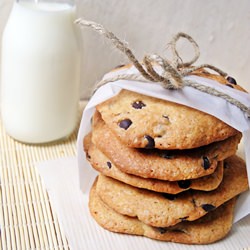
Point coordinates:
pixel 26 217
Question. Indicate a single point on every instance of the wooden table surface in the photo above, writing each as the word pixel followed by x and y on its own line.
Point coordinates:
pixel 26 217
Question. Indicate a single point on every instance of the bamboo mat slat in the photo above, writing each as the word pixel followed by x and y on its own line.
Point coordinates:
pixel 26 217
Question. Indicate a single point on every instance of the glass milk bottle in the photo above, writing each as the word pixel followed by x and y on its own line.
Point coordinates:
pixel 40 71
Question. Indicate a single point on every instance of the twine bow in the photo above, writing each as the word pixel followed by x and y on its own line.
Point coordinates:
pixel 173 72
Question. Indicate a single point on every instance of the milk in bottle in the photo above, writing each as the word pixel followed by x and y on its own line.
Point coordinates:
pixel 40 71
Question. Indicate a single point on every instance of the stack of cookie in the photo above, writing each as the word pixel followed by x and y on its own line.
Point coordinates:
pixel 166 171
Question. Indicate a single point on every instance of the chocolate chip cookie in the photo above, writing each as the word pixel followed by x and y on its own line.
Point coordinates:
pixel 146 122
pixel 172 165
pixel 164 210
pixel 213 226
pixel 103 164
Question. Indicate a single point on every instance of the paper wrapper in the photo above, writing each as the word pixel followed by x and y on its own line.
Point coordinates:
pixel 188 96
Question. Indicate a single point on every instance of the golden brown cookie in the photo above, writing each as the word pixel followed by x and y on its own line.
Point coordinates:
pixel 163 210
pixel 146 122
pixel 172 165
pixel 102 164
pixel 210 228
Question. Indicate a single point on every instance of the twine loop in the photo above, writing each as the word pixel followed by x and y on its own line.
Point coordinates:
pixel 172 73
pixel 169 79
pixel 177 59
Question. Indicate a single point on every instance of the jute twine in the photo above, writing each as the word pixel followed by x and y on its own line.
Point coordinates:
pixel 173 71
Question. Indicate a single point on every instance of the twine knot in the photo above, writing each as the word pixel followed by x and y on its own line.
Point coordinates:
pixel 172 72
pixel 169 79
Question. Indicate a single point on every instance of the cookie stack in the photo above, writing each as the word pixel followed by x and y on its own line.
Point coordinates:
pixel 166 171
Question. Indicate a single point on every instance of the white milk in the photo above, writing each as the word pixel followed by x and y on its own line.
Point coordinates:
pixel 40 72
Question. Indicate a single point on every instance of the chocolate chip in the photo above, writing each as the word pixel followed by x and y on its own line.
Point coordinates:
pixel 166 154
pixel 138 105
pixel 151 142
pixel 231 80
pixel 184 184
pixel 205 163
pixel 229 85
pixel 170 197
pixel 109 164
pixel 208 207
pixel 125 124
pixel 162 230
